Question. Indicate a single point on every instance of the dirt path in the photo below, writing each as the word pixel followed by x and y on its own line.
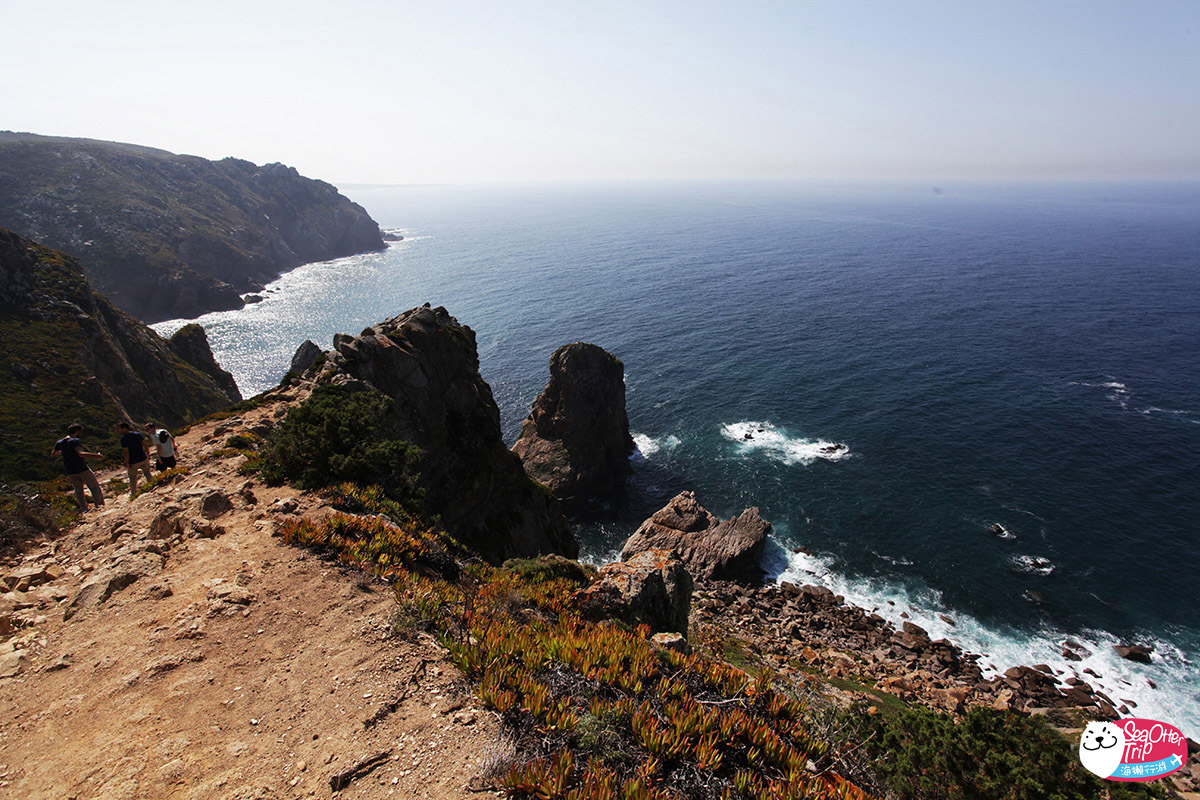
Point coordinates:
pixel 230 667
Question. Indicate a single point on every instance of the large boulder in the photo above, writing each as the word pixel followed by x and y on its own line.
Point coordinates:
pixel 576 439
pixel 711 548
pixel 426 363
pixel 652 588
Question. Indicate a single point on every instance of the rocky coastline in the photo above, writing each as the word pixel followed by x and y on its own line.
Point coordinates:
pixel 807 627
pixel 794 628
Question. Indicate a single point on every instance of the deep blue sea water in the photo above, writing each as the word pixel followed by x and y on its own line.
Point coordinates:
pixel 1027 355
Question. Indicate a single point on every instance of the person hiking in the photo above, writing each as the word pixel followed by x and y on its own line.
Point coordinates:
pixel 137 454
pixel 76 469
pixel 164 446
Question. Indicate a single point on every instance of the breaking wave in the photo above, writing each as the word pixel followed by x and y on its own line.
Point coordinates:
pixel 776 444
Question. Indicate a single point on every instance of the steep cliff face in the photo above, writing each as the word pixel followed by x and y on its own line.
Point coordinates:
pixel 576 439
pixel 427 363
pixel 166 236
pixel 69 355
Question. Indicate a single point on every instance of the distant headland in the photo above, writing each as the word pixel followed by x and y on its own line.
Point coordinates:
pixel 167 236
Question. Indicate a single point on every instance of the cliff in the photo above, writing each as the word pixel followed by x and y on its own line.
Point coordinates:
pixel 167 236
pixel 426 363
pixel 69 355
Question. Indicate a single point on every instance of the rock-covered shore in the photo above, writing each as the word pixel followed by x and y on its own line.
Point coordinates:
pixel 811 627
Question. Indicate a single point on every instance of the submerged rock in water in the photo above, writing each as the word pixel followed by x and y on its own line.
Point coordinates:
pixel 712 549
pixel 1134 652
pixel 576 439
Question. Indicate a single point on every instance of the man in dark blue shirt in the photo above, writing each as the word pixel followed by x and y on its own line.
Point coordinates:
pixel 137 454
pixel 77 470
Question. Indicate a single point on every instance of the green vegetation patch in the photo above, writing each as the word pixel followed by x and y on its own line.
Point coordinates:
pixel 985 755
pixel 44 387
pixel 341 435
pixel 548 568
pixel 28 516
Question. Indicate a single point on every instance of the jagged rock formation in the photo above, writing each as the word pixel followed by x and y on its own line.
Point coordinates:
pixel 427 363
pixel 191 344
pixel 69 355
pixel 651 588
pixel 712 549
pixel 164 235
pixel 576 439
pixel 305 356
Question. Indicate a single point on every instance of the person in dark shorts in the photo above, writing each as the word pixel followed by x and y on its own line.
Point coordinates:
pixel 164 445
pixel 76 469
pixel 137 454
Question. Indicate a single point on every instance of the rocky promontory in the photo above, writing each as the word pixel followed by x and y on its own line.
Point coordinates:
pixel 69 355
pixel 167 236
pixel 576 439
pixel 426 363
pixel 711 548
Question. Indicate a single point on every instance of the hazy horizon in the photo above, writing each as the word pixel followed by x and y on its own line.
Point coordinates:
pixel 369 92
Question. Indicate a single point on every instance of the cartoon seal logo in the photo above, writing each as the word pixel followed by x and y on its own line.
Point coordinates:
pixel 1101 748
pixel 1132 749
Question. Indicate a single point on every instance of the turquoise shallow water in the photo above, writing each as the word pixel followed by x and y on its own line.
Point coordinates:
pixel 1020 355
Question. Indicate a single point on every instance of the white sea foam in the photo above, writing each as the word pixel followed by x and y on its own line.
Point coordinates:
pixel 1001 532
pixel 1103 385
pixel 776 444
pixel 1032 565
pixel 1176 698
pixel 648 446
pixel 1123 396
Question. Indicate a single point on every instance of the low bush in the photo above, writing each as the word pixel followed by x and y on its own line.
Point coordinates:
pixel 250 442
pixel 340 435
pixel 550 568
pixel 27 515
pixel 922 754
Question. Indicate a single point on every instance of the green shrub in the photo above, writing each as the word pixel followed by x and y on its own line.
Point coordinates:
pixel 26 517
pixel 339 435
pixel 244 441
pixel 549 568
pixel 986 755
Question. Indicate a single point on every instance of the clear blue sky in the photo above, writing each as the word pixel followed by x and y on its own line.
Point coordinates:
pixel 456 91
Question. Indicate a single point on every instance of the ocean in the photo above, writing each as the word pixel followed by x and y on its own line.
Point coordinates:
pixel 886 371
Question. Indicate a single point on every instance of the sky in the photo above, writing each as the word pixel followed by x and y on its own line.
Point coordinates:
pixel 454 91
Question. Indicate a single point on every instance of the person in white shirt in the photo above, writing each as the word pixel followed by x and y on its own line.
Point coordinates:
pixel 164 444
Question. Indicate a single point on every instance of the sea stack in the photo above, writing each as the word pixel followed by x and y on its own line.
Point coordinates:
pixel 426 363
pixel 576 439
pixel 710 548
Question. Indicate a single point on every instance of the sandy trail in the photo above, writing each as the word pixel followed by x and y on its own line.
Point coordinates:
pixel 245 668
